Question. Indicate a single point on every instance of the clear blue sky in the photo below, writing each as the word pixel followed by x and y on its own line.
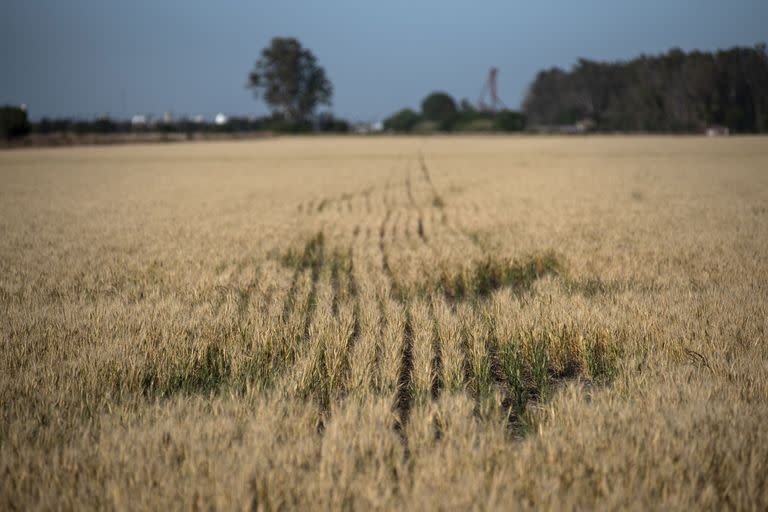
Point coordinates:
pixel 87 57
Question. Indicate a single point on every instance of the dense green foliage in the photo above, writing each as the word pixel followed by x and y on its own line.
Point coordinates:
pixel 675 91
pixel 327 122
pixel 402 121
pixel 439 113
pixel 13 122
pixel 290 80
pixel 438 106
pixel 509 121
pixel 324 123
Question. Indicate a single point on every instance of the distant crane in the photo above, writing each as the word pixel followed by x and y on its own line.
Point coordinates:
pixel 489 92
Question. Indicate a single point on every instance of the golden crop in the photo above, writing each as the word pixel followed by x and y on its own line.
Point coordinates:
pixel 425 323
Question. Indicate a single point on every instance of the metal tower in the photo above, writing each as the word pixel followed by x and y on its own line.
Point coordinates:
pixel 489 91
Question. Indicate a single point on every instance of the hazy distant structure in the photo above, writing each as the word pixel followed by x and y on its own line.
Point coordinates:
pixel 489 92
pixel 220 119
pixel 139 120
pixel 717 131
pixel 169 118
pixel 198 119
pixel 364 127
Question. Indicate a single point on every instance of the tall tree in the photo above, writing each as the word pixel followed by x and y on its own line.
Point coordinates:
pixel 13 122
pixel 438 106
pixel 290 80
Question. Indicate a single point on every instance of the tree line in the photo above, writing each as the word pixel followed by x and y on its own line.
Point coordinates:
pixel 439 113
pixel 14 123
pixel 672 92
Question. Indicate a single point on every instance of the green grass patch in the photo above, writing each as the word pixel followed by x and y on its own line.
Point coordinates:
pixel 491 273
pixel 201 371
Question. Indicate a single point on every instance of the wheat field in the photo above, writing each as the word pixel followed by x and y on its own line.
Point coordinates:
pixel 386 323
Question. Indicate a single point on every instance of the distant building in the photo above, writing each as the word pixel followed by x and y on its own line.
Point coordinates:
pixel 139 120
pixel 363 128
pixel 220 119
pixel 585 125
pixel 717 131
pixel 169 118
pixel 198 119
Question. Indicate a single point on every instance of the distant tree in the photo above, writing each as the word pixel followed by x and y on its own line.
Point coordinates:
pixel 327 122
pixel 466 106
pixel 103 125
pixel 290 80
pixel 402 121
pixel 671 92
pixel 755 65
pixel 13 122
pixel 438 106
pixel 280 124
pixel 46 126
pixel 509 121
